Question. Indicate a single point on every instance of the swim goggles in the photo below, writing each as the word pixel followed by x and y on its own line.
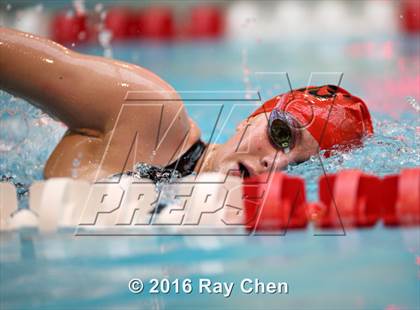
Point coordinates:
pixel 283 130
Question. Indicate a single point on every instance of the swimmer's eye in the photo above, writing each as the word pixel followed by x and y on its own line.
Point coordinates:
pixel 281 134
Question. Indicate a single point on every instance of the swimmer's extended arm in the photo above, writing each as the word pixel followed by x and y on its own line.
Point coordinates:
pixel 84 92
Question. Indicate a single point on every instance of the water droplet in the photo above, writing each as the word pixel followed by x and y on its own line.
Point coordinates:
pixel 76 162
pixel 39 8
pixel 79 6
pixel 413 103
pixel 99 7
pixel 104 38
pixel 82 35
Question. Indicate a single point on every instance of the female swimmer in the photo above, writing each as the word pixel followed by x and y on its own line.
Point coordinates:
pixel 86 93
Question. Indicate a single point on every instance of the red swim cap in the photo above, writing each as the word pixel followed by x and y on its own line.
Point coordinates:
pixel 330 113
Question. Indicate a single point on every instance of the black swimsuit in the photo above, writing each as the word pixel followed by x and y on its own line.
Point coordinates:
pixel 184 166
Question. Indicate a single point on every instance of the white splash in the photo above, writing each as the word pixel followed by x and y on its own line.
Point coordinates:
pixel 413 102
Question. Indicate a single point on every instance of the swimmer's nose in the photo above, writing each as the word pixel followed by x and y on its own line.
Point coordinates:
pixel 274 162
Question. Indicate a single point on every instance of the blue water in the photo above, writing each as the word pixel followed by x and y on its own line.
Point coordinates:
pixel 362 270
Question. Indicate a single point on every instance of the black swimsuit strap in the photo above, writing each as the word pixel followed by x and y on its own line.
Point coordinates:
pixel 185 165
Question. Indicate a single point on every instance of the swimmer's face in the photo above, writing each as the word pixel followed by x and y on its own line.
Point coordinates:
pixel 250 151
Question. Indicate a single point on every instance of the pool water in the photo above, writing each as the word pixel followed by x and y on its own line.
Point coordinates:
pixel 370 269
pixel 364 269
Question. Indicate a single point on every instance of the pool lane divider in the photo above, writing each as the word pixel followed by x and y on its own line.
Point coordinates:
pixel 70 28
pixel 401 198
pixel 274 201
pixel 349 198
pixel 409 16
pixel 8 204
pixel 154 22
pixel 267 202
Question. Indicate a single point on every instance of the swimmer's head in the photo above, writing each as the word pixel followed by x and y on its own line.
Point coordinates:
pixel 292 127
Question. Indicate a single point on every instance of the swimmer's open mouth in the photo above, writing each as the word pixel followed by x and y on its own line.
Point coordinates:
pixel 244 171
